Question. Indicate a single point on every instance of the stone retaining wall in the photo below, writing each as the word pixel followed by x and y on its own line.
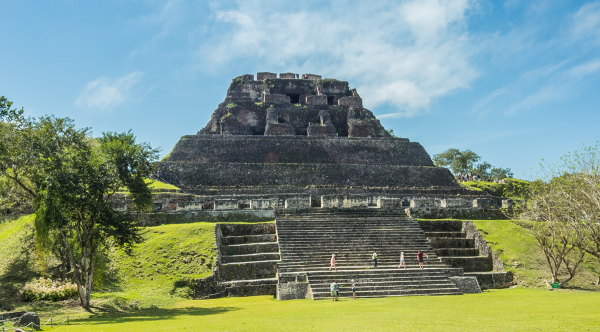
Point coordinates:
pixel 302 175
pixel 298 149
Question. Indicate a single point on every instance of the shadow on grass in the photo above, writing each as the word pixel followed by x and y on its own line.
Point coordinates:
pixel 151 314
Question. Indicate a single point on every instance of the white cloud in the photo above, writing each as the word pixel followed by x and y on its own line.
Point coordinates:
pixel 586 22
pixel 399 53
pixel 105 94
pixel 550 83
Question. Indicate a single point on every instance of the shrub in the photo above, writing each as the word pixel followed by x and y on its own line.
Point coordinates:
pixel 48 290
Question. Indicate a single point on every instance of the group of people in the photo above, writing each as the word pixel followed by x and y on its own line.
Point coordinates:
pixel 335 287
pixel 468 177
pixel 333 261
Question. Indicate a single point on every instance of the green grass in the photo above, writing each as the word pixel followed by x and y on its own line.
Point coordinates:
pixel 17 256
pixel 160 186
pixel 514 243
pixel 497 310
pixel 159 270
pixel 156 275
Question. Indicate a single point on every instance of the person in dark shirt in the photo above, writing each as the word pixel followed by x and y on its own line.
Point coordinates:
pixel 420 258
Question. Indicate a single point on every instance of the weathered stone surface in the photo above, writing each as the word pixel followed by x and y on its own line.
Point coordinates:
pixel 467 285
pixel 261 76
pixel 226 204
pixel 488 203
pixel 316 100
pixel 275 99
pixel 279 129
pixel 11 315
pixel 248 270
pixel 287 75
pixel 297 203
pixel 491 280
pixel 302 175
pixel 455 213
pixel 292 290
pixel 470 264
pixel 321 131
pixel 30 319
pixel 350 101
pixel 361 130
pixel 247 229
pixel 299 149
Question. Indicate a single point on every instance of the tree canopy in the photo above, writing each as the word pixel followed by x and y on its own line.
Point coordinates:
pixel 565 210
pixel 72 179
pixel 468 161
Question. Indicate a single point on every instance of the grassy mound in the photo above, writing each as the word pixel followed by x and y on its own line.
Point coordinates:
pixel 159 270
pixel 504 310
pixel 161 186
pixel 157 273
pixel 521 254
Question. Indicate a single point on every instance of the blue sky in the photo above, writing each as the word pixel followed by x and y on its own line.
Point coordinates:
pixel 515 81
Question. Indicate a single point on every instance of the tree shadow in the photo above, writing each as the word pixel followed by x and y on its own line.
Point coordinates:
pixel 151 314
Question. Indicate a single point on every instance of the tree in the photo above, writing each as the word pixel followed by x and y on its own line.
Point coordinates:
pixel 468 161
pixel 458 161
pixel 72 179
pixel 76 200
pixel 565 211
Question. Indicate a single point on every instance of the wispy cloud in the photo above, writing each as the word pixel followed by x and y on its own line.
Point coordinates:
pixel 104 94
pixel 402 54
pixel 586 22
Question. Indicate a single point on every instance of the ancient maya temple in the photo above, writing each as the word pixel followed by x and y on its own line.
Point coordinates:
pixel 304 150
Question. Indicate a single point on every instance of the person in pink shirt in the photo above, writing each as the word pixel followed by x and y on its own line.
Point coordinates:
pixel 333 262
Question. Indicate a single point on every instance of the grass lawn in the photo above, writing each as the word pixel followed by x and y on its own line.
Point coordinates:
pixel 496 310
pixel 514 243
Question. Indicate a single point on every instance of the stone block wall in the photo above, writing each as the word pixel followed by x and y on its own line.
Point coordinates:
pixel 302 175
pixel 350 101
pixel 316 100
pixel 262 75
pixel 299 149
pixel 226 204
pixel 297 204
pixel 261 204
pixel 279 129
pixel 287 75
pixel 275 99
pixel 321 131
pixel 361 130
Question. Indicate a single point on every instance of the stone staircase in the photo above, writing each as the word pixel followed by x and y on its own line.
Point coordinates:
pixel 249 254
pixel 459 244
pixel 307 240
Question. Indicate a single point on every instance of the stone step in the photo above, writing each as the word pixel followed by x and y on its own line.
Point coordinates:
pixel 250 248
pixel 470 264
pixel 262 238
pixel 248 270
pixel 456 252
pixel 378 278
pixel 384 286
pixel 251 258
pixel 263 281
pixel 446 234
pixel 348 268
pixel 438 242
pixel 440 225
pixel 386 293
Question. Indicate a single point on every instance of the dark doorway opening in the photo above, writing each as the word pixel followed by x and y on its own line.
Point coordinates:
pixel 315 201
pixel 330 100
pixel 294 99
